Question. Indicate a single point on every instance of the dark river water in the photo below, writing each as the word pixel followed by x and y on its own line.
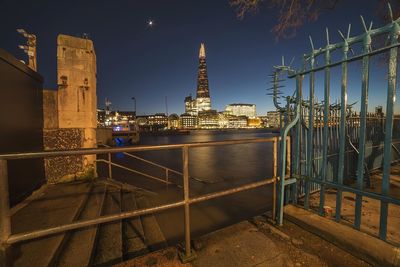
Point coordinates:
pixel 211 169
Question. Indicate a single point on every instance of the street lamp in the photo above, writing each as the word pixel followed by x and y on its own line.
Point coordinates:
pixel 134 107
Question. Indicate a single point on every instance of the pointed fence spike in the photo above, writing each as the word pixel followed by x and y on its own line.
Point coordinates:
pixel 291 62
pixel 390 11
pixel 311 42
pixel 341 35
pixel 348 31
pixel 363 23
pixel 327 36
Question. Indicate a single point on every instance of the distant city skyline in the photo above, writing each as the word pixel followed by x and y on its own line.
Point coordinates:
pixel 150 63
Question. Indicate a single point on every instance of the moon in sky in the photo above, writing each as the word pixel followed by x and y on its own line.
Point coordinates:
pixel 150 23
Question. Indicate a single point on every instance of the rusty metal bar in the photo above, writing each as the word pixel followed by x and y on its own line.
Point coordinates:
pixel 81 224
pixel 124 215
pixel 109 166
pixel 231 191
pixel 91 151
pixel 152 163
pixel 5 218
pixel 132 170
pixel 185 163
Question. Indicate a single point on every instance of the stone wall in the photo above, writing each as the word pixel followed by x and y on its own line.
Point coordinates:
pixel 50 109
pixel 68 168
pixel 70 119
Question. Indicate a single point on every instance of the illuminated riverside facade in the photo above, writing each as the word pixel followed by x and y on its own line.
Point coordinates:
pixel 248 110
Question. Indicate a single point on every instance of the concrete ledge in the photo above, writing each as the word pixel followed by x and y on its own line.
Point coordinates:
pixel 361 245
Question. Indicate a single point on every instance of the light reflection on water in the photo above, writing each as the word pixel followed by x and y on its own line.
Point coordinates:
pixel 222 167
pixel 216 163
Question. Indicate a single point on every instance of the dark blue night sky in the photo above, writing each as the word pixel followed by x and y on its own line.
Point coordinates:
pixel 133 60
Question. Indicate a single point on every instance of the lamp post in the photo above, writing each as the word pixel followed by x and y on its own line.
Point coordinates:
pixel 134 108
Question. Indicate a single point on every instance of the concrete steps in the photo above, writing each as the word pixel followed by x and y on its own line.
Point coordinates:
pixel 134 237
pixel 101 245
pixel 108 249
pixel 59 205
pixel 154 237
pixel 76 252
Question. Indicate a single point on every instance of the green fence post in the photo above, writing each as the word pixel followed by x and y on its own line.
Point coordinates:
pixel 387 154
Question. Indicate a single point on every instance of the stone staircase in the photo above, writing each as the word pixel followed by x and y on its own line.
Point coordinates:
pixel 99 245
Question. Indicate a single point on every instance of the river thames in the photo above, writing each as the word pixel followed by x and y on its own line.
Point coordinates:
pixel 211 169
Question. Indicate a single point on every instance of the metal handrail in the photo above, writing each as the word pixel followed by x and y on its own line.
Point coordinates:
pixel 134 171
pixel 93 151
pixel 150 162
pixel 7 238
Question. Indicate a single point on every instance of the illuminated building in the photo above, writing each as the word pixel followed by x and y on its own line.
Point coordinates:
pixel 173 121
pixel 188 121
pixel 203 100
pixel 237 122
pixel 190 105
pixel 157 121
pixel 254 122
pixel 248 110
pixel 208 119
pixel 273 119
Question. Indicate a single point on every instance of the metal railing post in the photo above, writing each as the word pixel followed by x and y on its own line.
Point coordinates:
pixel 387 150
pixel 275 173
pixel 325 140
pixel 310 141
pixel 5 220
pixel 342 128
pixel 109 166
pixel 362 129
pixel 167 177
pixel 188 256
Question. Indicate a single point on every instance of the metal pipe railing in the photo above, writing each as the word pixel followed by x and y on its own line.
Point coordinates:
pixel 134 171
pixel 6 238
pixel 96 151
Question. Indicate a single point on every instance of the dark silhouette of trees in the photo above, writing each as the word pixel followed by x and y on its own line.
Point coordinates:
pixel 292 14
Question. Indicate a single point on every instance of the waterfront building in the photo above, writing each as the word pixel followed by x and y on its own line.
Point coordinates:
pixel 190 105
pixel 101 117
pixel 273 119
pixel 208 119
pixel 240 109
pixel 223 120
pixel 237 122
pixel 254 122
pixel 188 121
pixel 173 121
pixel 264 121
pixel 203 99
pixel 157 121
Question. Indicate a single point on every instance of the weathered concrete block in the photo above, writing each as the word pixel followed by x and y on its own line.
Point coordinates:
pixel 76 71
pixel 50 109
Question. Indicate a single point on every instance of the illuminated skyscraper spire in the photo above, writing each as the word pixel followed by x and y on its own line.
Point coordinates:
pixel 202 79
pixel 202 52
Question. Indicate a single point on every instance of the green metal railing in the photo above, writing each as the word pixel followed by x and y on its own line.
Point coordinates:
pixel 341 132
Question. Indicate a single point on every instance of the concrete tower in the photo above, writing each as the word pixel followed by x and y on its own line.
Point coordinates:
pixel 203 94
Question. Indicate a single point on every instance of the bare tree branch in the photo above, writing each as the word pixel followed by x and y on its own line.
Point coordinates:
pixel 293 14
